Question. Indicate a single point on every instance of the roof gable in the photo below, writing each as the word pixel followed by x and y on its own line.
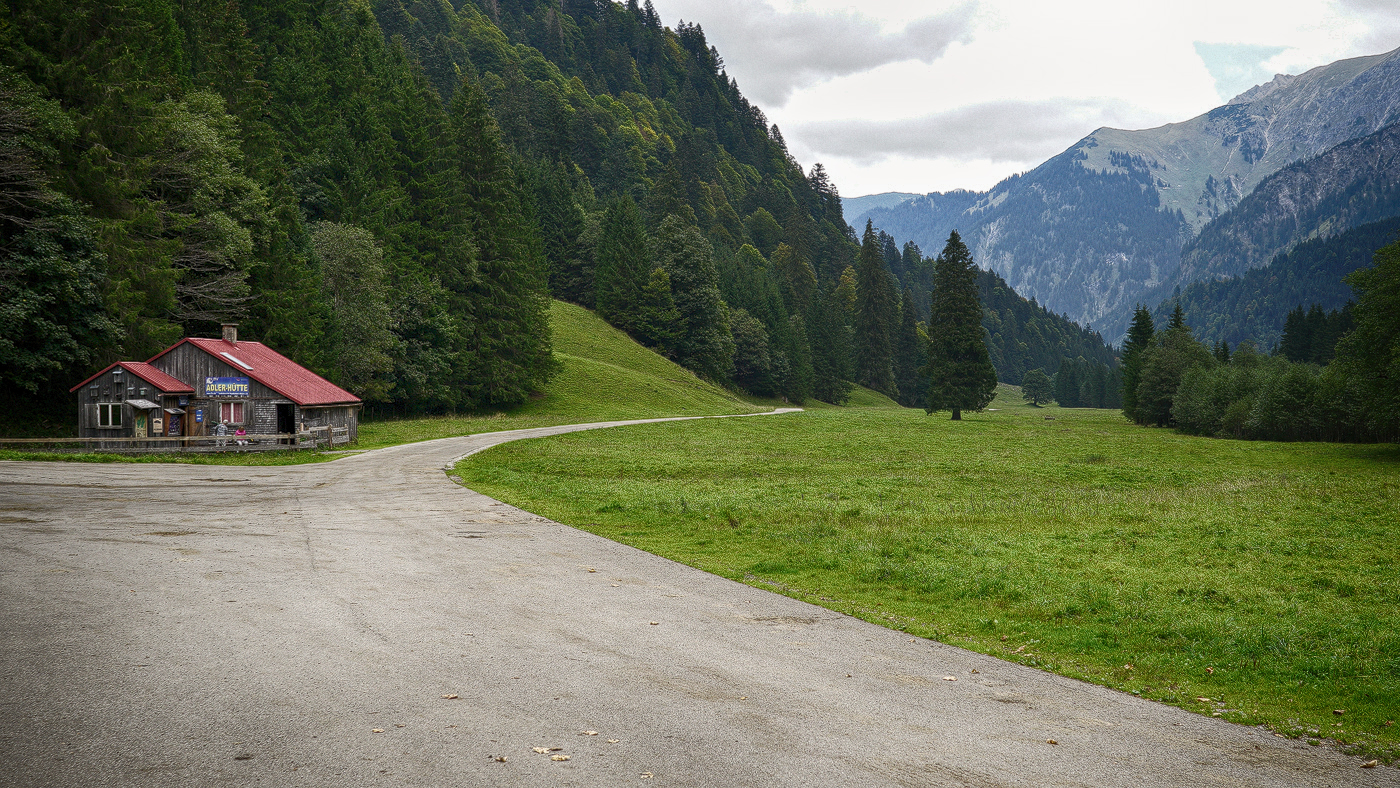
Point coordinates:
pixel 271 369
pixel 146 372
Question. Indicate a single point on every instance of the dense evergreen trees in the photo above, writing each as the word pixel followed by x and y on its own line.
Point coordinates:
pixel 623 267
pixel 1312 336
pixel 1369 357
pixel 1244 394
pixel 1254 306
pixel 389 193
pixel 960 372
pixel 910 354
pixel 165 164
pixel 1140 336
pixel 703 341
pixel 876 310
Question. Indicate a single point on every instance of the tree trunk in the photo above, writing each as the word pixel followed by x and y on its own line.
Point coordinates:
pixel 957 414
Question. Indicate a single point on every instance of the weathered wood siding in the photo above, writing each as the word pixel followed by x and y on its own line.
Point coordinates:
pixel 333 416
pixel 190 364
pixel 112 388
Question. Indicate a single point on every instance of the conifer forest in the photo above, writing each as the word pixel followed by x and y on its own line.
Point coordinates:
pixel 390 193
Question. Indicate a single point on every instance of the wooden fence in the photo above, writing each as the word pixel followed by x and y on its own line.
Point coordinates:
pixel 315 437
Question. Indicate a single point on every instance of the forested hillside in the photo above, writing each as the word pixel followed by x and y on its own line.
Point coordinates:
pixel 1255 305
pixel 385 193
pixel 389 193
pixel 1021 334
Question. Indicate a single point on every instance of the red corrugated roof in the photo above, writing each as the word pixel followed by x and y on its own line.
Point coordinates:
pixel 146 372
pixel 272 369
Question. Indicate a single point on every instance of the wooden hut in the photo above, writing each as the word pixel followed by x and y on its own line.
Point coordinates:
pixel 249 384
pixel 191 386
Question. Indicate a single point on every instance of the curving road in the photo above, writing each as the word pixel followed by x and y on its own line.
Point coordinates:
pixel 177 625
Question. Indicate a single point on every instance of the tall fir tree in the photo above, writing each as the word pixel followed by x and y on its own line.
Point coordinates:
pixel 910 354
pixel 1370 354
pixel 961 376
pixel 875 304
pixel 623 265
pixel 1178 319
pixel 831 351
pixel 1069 381
pixel 703 343
pixel 1140 337
pixel 507 348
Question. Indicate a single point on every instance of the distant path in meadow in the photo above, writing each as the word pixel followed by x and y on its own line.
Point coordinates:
pixel 368 622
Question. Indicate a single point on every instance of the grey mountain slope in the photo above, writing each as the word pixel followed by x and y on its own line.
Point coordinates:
pixel 1093 230
pixel 854 208
pixel 1355 183
pixel 1208 163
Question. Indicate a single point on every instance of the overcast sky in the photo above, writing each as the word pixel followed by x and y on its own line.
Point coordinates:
pixel 933 95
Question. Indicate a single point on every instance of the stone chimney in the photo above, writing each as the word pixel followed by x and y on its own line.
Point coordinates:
pixel 231 333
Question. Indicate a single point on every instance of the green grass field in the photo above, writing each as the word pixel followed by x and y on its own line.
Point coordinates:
pixel 1255 581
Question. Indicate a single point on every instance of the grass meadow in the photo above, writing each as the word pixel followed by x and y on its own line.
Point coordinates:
pixel 1248 580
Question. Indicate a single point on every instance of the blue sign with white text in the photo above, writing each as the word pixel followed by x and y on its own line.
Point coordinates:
pixel 226 387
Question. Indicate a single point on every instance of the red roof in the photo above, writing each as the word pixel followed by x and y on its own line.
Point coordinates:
pixel 272 369
pixel 146 372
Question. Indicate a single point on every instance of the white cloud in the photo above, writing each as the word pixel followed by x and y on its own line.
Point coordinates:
pixel 924 95
pixel 1377 22
pixel 997 131
pixel 775 53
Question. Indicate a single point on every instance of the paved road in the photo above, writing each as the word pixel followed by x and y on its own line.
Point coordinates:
pixel 176 625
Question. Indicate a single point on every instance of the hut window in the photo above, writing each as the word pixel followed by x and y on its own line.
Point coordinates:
pixel 109 414
pixel 231 412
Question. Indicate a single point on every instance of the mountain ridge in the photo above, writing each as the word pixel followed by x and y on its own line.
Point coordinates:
pixel 1101 225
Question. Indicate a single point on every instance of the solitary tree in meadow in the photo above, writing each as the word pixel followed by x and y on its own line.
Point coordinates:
pixel 961 376
pixel 1036 387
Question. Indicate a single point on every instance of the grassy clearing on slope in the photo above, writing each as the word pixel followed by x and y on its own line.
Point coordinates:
pixel 604 376
pixel 1260 576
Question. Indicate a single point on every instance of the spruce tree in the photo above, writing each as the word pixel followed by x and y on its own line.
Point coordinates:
pixel 561 224
pixel 623 265
pixel 1370 354
pixel 1068 381
pixel 831 351
pixel 799 281
pixel 658 323
pixel 960 370
pixel 506 318
pixel 703 343
pixel 1178 319
pixel 910 354
pixel 1140 337
pixel 875 304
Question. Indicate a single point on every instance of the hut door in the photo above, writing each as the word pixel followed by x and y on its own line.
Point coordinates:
pixel 285 424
